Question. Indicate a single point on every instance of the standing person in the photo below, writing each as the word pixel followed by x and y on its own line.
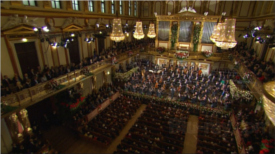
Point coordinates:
pixel 172 91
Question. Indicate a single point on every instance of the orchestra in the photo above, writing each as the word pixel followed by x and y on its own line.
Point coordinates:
pixel 186 83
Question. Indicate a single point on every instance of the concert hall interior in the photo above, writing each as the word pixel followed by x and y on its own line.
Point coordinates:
pixel 126 76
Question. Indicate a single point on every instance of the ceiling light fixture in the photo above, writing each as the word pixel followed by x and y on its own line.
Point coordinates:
pixel 139 31
pixel 151 32
pixel 117 33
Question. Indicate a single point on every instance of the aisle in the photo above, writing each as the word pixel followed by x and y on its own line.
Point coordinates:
pixel 190 142
pixel 125 130
pixel 65 140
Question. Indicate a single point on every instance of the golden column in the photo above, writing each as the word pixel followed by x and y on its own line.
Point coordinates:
pixel 157 31
pixel 199 45
pixel 192 36
pixel 170 35
pixel 178 34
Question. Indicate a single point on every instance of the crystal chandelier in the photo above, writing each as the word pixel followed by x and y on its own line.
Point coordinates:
pixel 117 34
pixel 226 38
pixel 216 33
pixel 139 31
pixel 151 32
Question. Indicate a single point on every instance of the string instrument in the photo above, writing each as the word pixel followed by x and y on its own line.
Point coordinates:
pixel 185 71
pixel 163 87
pixel 160 80
pixel 143 80
pixel 179 88
pixel 200 71
pixel 156 85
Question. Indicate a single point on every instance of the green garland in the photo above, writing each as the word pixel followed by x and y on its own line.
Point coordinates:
pixel 177 102
pixel 196 37
pixel 174 30
pixel 126 76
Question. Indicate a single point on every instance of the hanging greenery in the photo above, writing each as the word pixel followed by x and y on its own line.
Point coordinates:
pixel 196 37
pixel 174 30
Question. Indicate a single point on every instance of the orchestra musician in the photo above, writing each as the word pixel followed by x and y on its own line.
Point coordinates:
pixel 172 91
pixel 160 80
pixel 159 93
pixel 156 85
pixel 200 72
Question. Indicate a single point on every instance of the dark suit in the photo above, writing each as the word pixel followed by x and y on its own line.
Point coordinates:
pixel 6 82
pixel 34 82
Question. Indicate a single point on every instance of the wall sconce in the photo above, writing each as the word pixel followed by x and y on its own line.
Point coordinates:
pixel 24 39
pixel 205 13
pixel 72 35
pixel 108 72
pixel 169 13
pixel 223 13
pixel 45 29
pixel 156 13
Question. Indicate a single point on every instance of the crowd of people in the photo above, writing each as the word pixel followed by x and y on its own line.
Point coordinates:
pixel 254 132
pixel 35 142
pixel 263 70
pixel 160 129
pixel 184 83
pixel 38 75
pixel 215 135
pixel 106 126
pixel 93 100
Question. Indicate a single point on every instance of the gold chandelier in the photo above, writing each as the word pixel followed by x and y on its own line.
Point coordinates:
pixel 139 31
pixel 117 34
pixel 226 38
pixel 216 33
pixel 151 32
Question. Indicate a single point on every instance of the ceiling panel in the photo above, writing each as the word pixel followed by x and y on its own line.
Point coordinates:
pixel 212 8
pixel 244 8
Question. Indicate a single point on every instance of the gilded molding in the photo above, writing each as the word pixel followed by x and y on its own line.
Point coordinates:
pixel 47 4
pixel 69 5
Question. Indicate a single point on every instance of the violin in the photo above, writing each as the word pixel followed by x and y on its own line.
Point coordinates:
pixel 156 85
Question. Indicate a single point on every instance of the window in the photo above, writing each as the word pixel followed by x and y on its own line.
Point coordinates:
pixel 91 5
pixel 56 4
pixel 130 8
pixel 103 6
pixel 120 7
pixel 113 7
pixel 135 8
pixel 75 4
pixel 29 2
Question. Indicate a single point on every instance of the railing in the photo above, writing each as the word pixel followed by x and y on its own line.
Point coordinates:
pixel 254 84
pixel 44 90
pixel 192 55
pixel 239 140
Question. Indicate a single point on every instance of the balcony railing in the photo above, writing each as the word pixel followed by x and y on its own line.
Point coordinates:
pixel 254 84
pixel 192 55
pixel 43 90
